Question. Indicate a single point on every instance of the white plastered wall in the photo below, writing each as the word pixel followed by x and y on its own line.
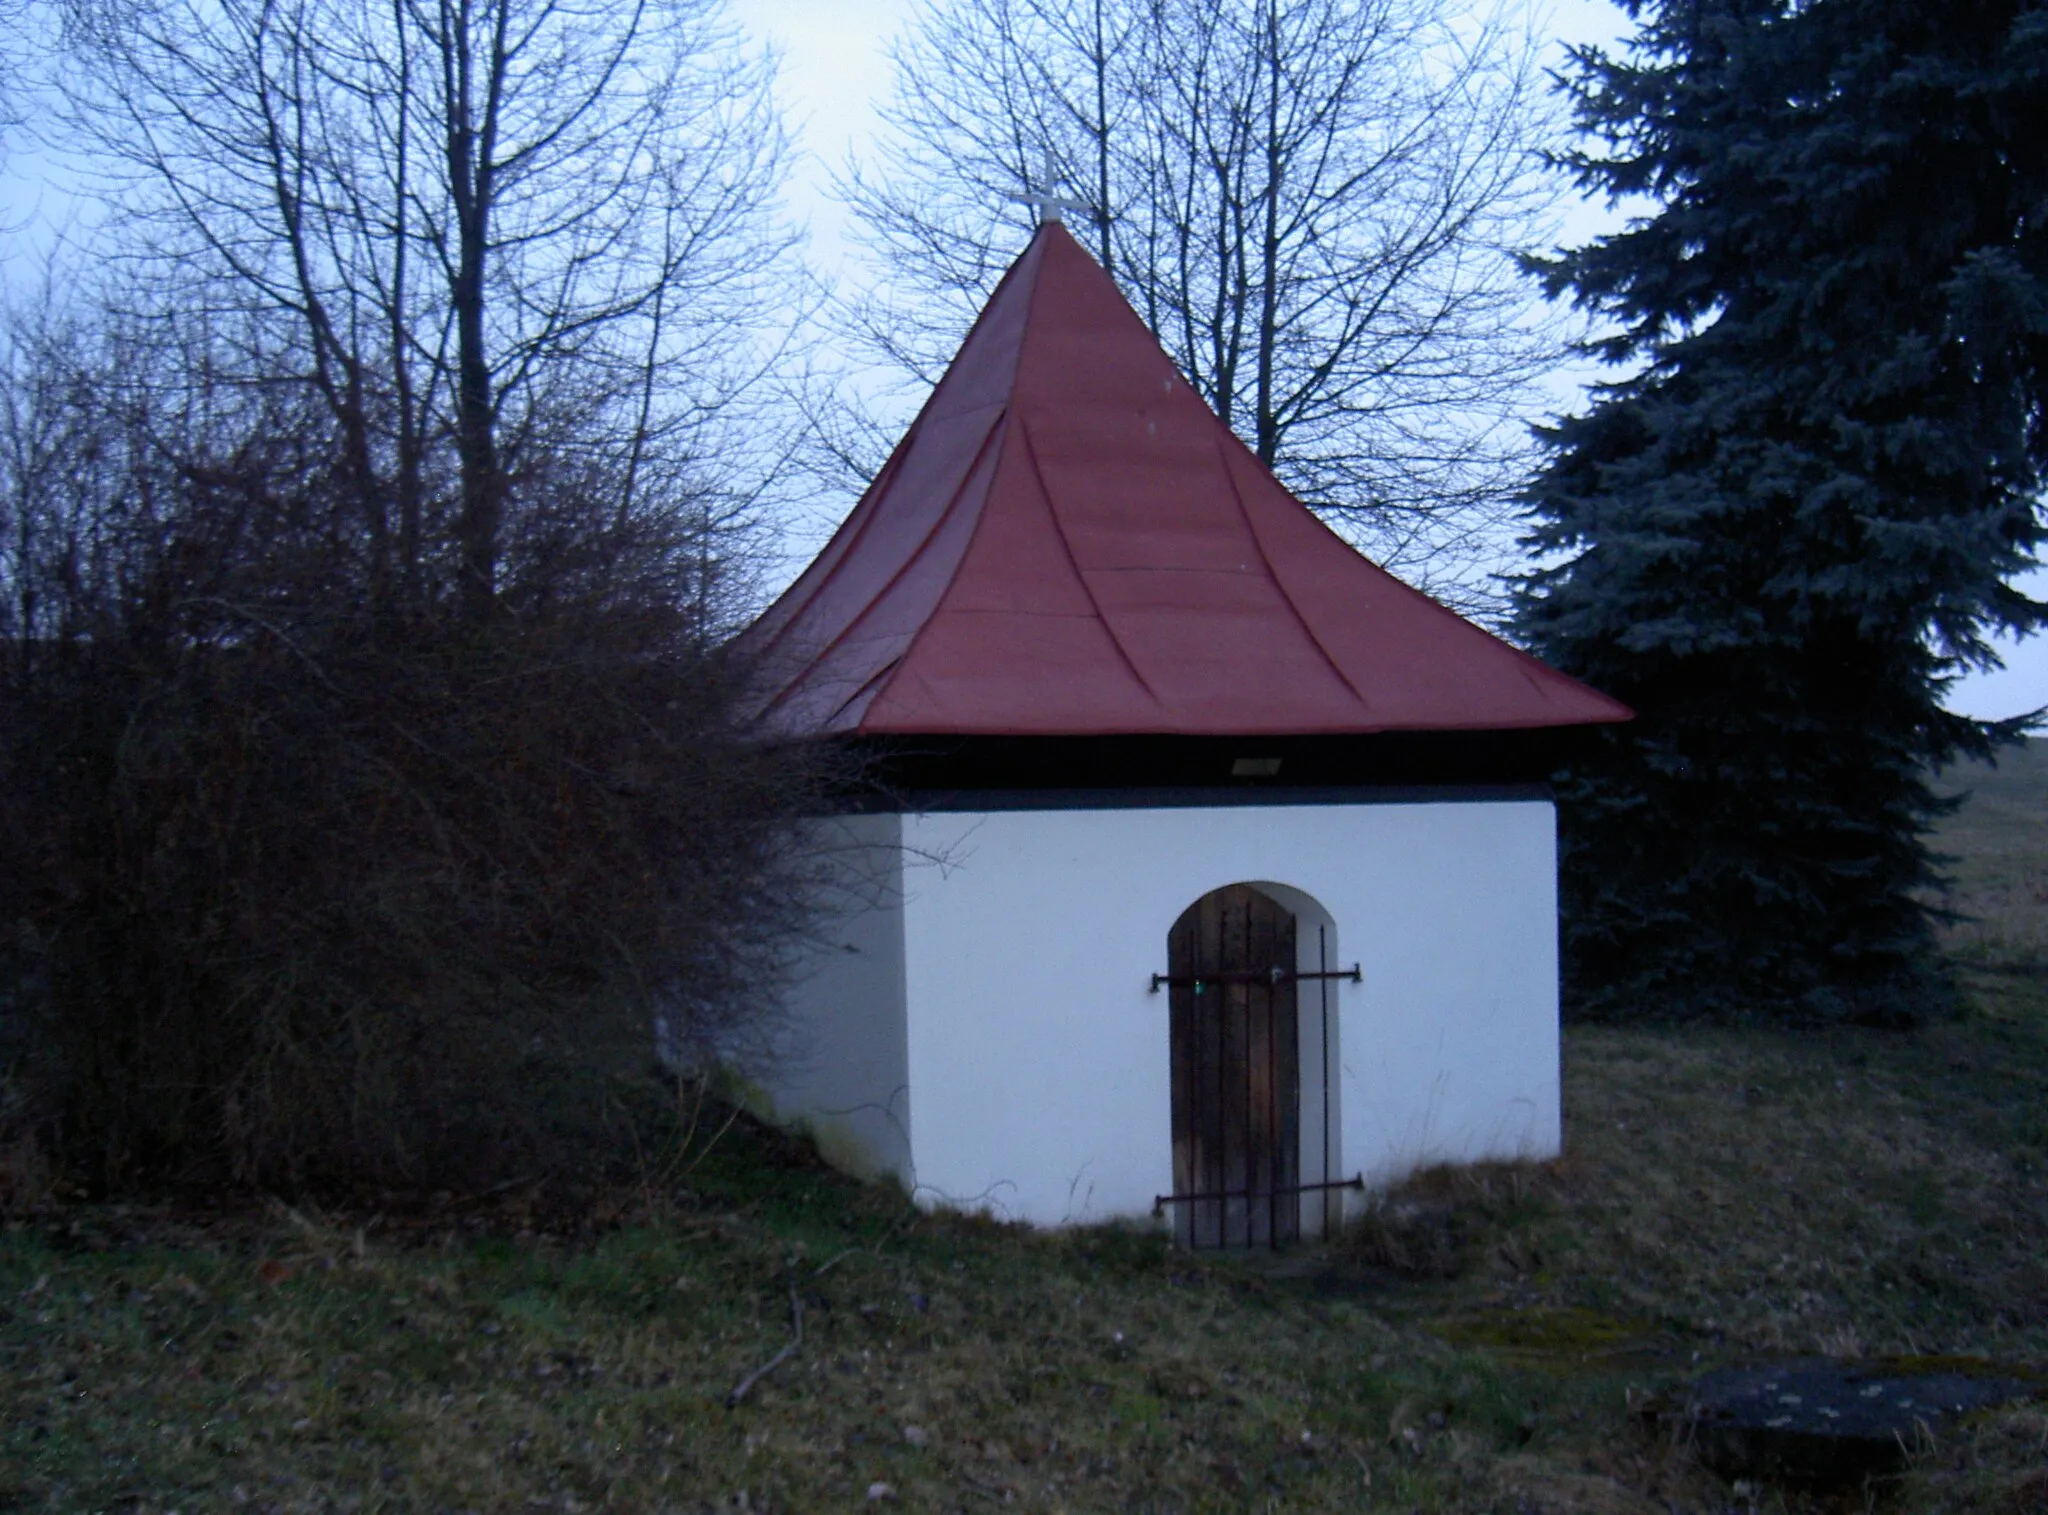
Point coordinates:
pixel 843 1073
pixel 1040 1059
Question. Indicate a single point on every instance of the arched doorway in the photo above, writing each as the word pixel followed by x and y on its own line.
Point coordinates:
pixel 1236 1049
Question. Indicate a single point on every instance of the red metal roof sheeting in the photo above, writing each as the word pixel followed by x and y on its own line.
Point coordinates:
pixel 1068 542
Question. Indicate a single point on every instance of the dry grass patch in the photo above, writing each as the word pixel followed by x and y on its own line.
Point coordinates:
pixel 1997 847
pixel 1855 1193
pixel 1850 1193
pixel 1996 1465
pixel 265 1363
pixel 1476 1347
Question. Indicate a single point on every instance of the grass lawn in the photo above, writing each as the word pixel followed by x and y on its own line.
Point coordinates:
pixel 1477 1346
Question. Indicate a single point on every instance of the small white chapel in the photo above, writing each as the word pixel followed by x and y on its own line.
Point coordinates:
pixel 1205 872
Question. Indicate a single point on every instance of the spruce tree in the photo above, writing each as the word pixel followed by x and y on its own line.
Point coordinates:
pixel 1795 516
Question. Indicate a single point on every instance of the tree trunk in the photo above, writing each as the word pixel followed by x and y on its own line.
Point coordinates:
pixel 470 172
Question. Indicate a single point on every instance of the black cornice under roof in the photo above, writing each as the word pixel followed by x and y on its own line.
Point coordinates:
pixel 1009 773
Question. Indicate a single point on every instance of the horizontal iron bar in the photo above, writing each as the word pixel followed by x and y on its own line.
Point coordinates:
pixel 1161 1201
pixel 1271 976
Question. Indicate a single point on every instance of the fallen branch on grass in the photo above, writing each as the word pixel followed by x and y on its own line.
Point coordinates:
pixel 796 1316
pixel 834 1261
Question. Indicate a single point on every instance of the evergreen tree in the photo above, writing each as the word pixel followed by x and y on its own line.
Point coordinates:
pixel 1795 520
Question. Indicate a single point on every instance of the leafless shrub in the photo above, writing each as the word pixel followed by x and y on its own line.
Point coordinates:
pixel 300 886
pixel 370 520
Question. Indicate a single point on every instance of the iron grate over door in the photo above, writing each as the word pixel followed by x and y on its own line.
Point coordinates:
pixel 1236 1071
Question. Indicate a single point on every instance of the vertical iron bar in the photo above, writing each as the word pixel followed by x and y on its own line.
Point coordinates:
pixel 1273 1114
pixel 1222 1018
pixel 1323 963
pixel 1247 1122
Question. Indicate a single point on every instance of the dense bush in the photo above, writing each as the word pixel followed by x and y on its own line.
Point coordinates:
pixel 307 882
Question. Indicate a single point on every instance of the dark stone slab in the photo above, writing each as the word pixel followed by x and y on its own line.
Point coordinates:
pixel 1823 1421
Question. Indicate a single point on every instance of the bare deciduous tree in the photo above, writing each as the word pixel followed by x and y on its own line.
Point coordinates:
pixel 15 30
pixel 1315 205
pixel 291 893
pixel 371 787
pixel 467 219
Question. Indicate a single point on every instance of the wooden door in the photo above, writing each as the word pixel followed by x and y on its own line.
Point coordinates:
pixel 1236 1071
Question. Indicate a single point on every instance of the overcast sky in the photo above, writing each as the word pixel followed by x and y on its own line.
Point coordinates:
pixel 835 69
pixel 834 72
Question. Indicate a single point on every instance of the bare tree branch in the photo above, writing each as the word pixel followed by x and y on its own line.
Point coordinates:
pixel 1315 205
pixel 470 219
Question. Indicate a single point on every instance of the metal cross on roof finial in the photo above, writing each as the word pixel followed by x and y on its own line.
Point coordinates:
pixel 1045 194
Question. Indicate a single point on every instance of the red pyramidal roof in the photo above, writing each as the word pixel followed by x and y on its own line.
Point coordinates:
pixel 1067 542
